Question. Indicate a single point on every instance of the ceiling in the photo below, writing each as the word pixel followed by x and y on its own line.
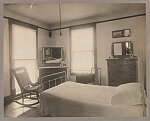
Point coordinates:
pixel 49 13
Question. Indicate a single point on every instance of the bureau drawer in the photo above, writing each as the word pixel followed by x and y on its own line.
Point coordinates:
pixel 113 74
pixel 130 62
pixel 113 62
pixel 118 82
pixel 122 68
pixel 127 74
pixel 122 74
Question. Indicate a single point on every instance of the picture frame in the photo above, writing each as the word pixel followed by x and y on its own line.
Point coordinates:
pixel 121 33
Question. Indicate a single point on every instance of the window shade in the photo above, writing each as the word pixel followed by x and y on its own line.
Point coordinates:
pixel 82 55
pixel 23 41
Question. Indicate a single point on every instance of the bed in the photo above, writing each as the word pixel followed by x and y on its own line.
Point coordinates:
pixel 71 99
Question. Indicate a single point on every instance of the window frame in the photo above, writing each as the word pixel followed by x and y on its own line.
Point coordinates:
pixel 23 24
pixel 94 45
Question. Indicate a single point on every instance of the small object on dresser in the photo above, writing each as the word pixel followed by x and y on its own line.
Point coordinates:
pixel 131 54
pixel 62 63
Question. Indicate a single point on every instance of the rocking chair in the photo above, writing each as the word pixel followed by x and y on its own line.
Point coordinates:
pixel 26 86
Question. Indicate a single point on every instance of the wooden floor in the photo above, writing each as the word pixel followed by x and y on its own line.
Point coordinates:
pixel 14 109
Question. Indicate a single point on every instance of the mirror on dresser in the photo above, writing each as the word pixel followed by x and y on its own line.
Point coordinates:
pixel 122 49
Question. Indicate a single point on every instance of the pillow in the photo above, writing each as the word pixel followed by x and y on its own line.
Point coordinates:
pixel 128 94
pixel 130 86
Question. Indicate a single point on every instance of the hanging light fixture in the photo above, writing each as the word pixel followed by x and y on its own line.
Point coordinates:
pixel 60 20
pixel 31 5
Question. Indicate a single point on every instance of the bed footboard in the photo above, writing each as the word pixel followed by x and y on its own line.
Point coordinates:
pixel 52 80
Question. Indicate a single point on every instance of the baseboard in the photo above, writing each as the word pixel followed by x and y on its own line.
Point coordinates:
pixel 10 98
pixel 7 100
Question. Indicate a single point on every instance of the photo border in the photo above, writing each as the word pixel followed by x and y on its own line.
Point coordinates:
pixel 2 2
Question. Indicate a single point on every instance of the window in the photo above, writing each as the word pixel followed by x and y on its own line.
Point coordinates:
pixel 82 52
pixel 24 51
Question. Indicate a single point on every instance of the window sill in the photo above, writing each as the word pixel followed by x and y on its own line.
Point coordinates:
pixel 75 74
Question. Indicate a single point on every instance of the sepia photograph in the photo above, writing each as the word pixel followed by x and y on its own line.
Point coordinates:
pixel 74 60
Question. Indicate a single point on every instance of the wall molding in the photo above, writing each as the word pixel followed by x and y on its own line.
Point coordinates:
pixel 108 20
pixel 102 21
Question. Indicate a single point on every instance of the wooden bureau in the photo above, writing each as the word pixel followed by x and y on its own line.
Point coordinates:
pixel 121 71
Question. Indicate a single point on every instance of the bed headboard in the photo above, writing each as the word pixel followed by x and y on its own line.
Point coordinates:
pixel 52 80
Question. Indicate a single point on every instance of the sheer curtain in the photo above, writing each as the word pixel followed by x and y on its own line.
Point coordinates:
pixel 82 52
pixel 24 51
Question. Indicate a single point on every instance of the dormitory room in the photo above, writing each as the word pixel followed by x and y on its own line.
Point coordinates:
pixel 75 60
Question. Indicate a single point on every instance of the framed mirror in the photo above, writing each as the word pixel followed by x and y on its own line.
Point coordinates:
pixel 122 49
pixel 52 54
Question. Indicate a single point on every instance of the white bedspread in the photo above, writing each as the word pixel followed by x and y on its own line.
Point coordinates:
pixel 71 99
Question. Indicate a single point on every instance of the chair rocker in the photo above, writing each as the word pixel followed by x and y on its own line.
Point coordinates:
pixel 26 86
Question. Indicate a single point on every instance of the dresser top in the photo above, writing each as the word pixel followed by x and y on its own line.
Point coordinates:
pixel 121 59
pixel 53 67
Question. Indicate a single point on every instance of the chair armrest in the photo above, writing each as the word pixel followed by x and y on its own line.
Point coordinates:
pixel 34 84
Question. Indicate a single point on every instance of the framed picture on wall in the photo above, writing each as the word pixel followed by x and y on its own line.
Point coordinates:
pixel 121 33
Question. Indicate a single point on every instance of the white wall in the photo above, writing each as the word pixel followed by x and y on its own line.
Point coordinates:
pixel 104 41
pixel 6 59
